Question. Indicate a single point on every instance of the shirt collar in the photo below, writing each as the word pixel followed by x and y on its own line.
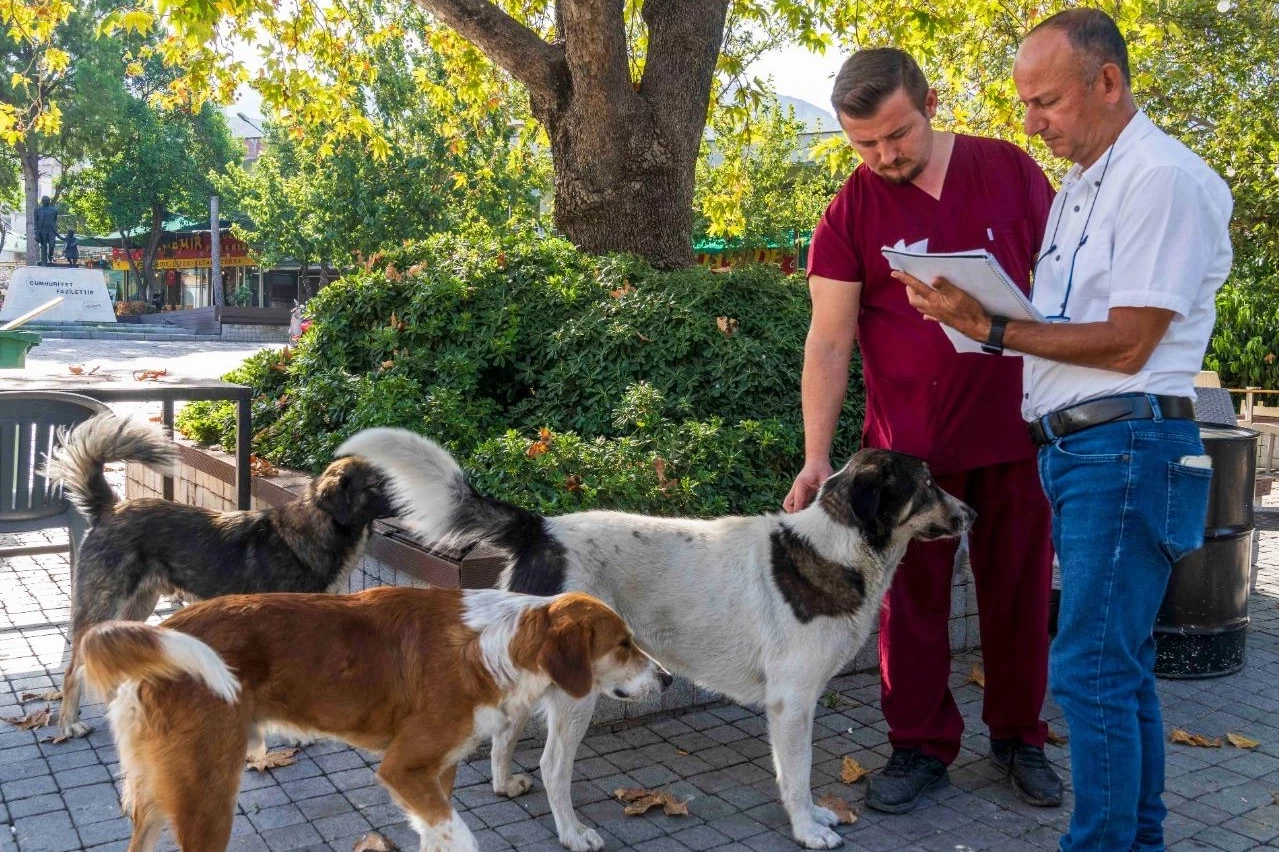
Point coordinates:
pixel 1136 128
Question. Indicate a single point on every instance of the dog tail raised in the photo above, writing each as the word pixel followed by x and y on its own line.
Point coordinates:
pixel 434 498
pixel 118 651
pixel 104 438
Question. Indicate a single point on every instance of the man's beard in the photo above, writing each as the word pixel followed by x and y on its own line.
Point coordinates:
pixel 903 178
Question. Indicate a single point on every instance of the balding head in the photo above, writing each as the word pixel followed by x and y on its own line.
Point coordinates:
pixel 1095 39
pixel 1076 98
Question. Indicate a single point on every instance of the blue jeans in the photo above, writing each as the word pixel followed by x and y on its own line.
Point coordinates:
pixel 1124 508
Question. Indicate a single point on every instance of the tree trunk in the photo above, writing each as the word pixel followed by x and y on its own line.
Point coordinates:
pixel 624 152
pixel 152 245
pixel 30 158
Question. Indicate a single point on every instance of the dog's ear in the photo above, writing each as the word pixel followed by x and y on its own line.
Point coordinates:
pixel 566 656
pixel 336 493
pixel 863 491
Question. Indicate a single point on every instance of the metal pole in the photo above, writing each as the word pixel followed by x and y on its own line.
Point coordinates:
pixel 215 247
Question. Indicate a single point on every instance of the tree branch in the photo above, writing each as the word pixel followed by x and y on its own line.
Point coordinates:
pixel 510 44
pixel 684 41
pixel 594 33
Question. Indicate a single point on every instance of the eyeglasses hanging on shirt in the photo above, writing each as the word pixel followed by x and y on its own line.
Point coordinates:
pixel 1061 316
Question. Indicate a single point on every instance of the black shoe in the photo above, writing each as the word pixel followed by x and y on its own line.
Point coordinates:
pixel 1034 780
pixel 897 788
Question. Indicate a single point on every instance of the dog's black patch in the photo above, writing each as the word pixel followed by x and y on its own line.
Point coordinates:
pixel 811 584
pixel 539 559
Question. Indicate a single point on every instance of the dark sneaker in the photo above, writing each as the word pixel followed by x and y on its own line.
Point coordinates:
pixel 897 788
pixel 1034 780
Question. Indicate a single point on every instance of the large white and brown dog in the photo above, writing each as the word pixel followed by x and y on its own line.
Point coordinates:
pixel 764 610
pixel 420 675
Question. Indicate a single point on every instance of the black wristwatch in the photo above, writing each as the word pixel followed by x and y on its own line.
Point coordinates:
pixel 995 342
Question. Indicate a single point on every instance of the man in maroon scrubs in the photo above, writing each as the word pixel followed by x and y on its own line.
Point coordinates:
pixel 939 192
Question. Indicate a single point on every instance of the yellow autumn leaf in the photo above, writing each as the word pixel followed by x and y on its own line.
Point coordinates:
pixel 133 69
pixel 18 81
pixel 138 21
pixel 1185 738
pixel 852 771
pixel 844 811
pixel 1240 741
pixel 977 676
pixel 56 60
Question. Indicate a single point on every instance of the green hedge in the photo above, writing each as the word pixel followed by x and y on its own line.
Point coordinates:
pixel 660 392
pixel 1244 350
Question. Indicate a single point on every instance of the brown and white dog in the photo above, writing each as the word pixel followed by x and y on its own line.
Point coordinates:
pixel 420 675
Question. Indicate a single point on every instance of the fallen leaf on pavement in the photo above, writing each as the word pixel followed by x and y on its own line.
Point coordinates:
pixel 31 721
pixel 259 466
pixel 58 740
pixel 148 375
pixel 374 842
pixel 1056 738
pixel 1184 738
pixel 47 695
pixel 640 800
pixel 977 676
pixel 842 809
pixel 852 771
pixel 272 759
pixel 1240 741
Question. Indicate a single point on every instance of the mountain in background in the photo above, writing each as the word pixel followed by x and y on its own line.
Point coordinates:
pixel 816 119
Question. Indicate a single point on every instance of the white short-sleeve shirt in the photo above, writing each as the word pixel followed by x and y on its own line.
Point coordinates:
pixel 1144 226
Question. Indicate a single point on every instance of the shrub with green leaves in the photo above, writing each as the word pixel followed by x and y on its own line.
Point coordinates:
pixel 1244 349
pixel 562 381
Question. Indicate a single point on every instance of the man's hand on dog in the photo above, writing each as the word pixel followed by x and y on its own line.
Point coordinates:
pixel 807 484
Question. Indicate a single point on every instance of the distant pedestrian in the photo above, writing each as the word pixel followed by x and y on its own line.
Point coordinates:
pixel 72 250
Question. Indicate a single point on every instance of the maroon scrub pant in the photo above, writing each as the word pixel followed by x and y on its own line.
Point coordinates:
pixel 1010 549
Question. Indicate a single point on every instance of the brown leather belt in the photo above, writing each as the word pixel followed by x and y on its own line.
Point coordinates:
pixel 1108 409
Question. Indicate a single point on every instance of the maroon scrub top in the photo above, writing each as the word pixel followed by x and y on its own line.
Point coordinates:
pixel 955 411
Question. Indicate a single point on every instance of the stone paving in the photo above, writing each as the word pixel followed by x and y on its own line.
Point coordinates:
pixel 64 797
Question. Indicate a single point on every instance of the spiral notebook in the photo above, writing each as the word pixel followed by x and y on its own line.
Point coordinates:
pixel 977 273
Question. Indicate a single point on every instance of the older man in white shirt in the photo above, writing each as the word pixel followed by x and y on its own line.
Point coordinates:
pixel 1135 249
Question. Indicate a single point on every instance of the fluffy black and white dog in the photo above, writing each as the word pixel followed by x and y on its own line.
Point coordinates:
pixel 764 610
pixel 137 550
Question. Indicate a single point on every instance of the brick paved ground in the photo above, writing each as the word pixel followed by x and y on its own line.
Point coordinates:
pixel 64 797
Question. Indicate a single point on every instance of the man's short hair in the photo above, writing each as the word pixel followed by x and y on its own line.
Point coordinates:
pixel 1095 37
pixel 869 77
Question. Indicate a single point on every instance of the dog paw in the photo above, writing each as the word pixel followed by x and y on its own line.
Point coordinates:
pixel 582 839
pixel 825 816
pixel 516 785
pixel 817 837
pixel 75 730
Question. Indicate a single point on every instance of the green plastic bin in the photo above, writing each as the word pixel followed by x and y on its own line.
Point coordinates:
pixel 14 346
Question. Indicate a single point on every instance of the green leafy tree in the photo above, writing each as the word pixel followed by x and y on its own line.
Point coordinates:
pixel 757 184
pixel 334 209
pixel 158 163
pixel 59 81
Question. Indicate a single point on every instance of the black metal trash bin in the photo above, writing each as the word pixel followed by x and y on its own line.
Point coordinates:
pixel 1203 622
